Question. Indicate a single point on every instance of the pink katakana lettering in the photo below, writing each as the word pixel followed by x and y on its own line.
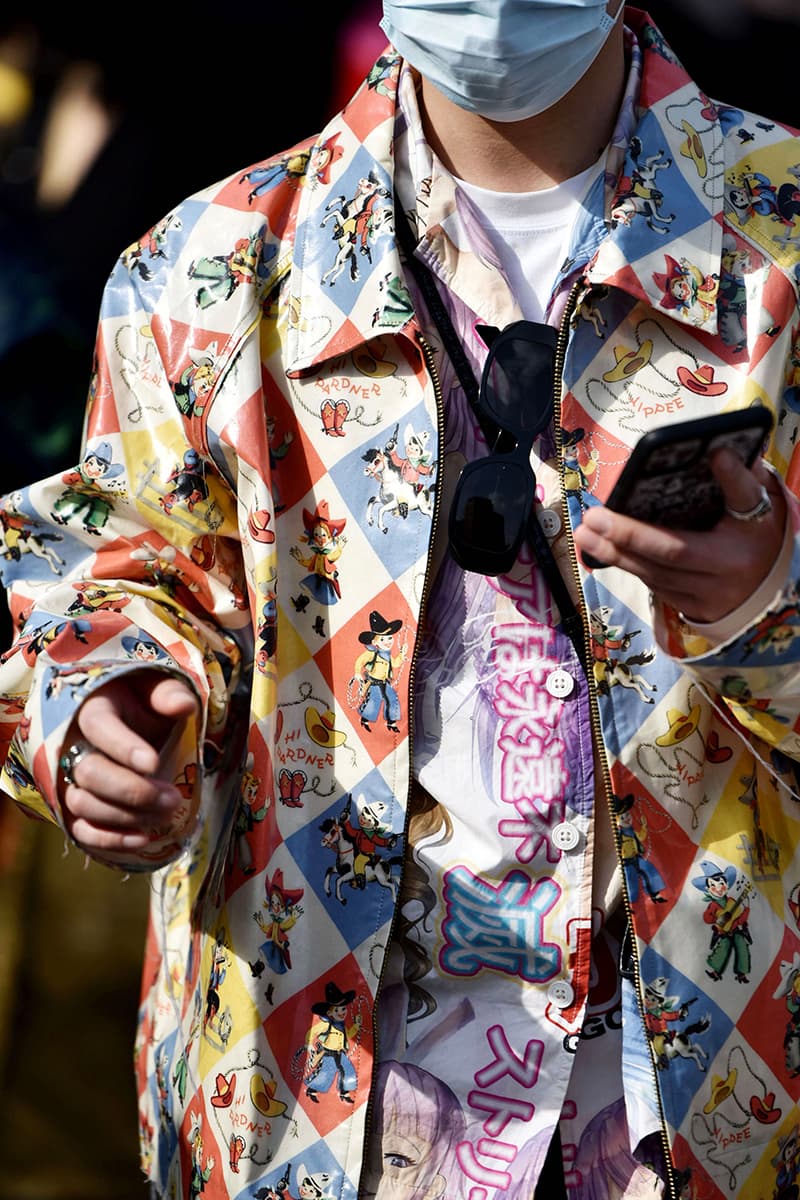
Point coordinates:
pixel 479 1173
pixel 527 703
pixel 530 594
pixel 524 1071
pixel 505 1151
pixel 517 649
pixel 502 1109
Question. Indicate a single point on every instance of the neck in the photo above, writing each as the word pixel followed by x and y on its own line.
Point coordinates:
pixel 540 152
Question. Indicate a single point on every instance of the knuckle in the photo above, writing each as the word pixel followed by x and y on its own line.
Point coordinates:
pixel 91 838
pixel 144 794
pixel 77 801
pixel 93 715
pixel 673 552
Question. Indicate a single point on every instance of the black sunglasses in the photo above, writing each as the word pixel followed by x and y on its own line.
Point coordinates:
pixel 495 494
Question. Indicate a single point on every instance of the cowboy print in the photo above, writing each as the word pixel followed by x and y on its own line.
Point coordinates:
pixel 84 497
pixel 375 671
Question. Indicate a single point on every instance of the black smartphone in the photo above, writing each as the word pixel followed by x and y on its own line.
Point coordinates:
pixel 668 480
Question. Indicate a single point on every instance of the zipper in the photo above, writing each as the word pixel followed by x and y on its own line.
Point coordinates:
pixel 430 363
pixel 560 357
pixel 578 290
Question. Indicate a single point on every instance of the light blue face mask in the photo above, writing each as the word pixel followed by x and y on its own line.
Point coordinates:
pixel 504 59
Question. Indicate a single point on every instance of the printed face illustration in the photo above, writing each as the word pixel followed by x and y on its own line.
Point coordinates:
pixel 367 820
pixel 418 1127
pixel 321 535
pixel 680 289
pixel 93 466
pixel 145 651
pixel 778 639
pixel 202 380
pixel 404 1167
pixel 320 160
pixel 407 1169
pixel 308 1190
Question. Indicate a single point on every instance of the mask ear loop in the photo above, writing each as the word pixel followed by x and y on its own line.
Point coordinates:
pixel 608 22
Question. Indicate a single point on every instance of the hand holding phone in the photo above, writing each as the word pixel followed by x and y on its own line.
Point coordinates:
pixel 708 572
pixel 668 478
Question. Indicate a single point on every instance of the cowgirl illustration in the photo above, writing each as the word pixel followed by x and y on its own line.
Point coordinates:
pixel 202 1166
pixel 283 909
pixel 687 289
pixel 640 874
pixel 323 534
pixel 417 465
pixel 197 380
pixel 219 969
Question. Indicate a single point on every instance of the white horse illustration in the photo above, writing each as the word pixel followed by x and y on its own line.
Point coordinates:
pixel 335 838
pixel 396 496
pixel 19 535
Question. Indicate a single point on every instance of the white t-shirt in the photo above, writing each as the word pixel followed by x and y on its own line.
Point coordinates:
pixel 530 231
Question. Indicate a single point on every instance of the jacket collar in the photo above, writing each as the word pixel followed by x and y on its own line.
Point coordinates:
pixel 336 309
pixel 670 190
pixel 337 306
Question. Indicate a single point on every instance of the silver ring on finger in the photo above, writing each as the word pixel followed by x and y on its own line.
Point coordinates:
pixel 69 760
pixel 762 508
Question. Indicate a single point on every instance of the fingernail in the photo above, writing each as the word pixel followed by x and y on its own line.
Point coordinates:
pixel 167 797
pixel 131 841
pixel 599 522
pixel 142 760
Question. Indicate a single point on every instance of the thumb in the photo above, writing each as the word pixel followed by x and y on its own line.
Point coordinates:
pixel 742 490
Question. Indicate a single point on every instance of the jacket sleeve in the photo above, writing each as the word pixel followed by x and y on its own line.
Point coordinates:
pixel 131 559
pixel 754 675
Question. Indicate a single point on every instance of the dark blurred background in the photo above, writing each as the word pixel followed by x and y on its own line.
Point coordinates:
pixel 106 121
pixel 108 118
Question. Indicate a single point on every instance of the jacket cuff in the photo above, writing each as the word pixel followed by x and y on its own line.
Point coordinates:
pixel 31 772
pixel 764 597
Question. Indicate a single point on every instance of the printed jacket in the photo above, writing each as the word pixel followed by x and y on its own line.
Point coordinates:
pixel 234 520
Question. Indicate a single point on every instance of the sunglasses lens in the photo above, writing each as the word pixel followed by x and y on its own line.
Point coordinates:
pixel 518 383
pixel 488 514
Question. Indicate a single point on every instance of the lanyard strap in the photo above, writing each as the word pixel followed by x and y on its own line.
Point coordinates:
pixel 439 313
pixel 571 619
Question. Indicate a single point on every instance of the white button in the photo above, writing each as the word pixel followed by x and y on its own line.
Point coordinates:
pixel 561 993
pixel 559 683
pixel 565 836
pixel 550 522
